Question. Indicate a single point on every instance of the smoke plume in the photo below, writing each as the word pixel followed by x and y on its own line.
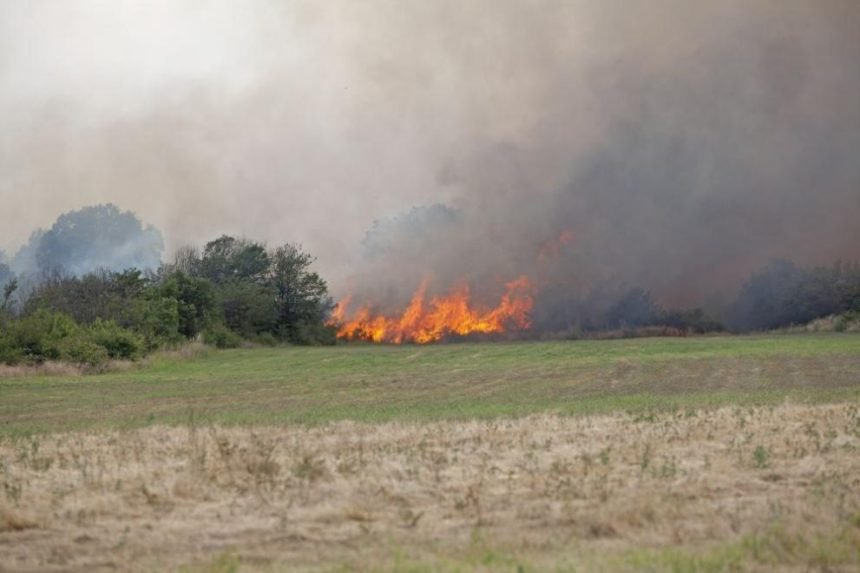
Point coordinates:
pixel 666 144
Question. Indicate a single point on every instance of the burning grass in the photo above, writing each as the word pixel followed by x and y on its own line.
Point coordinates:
pixel 712 490
pixel 423 322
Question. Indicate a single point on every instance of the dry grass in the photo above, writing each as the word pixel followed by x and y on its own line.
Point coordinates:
pixel 727 489
pixel 44 369
pixel 189 351
pixel 834 323
pixel 63 369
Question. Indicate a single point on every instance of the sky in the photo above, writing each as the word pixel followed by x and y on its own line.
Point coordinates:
pixel 681 143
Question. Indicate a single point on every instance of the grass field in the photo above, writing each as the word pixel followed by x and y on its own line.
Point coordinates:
pixel 700 454
pixel 453 381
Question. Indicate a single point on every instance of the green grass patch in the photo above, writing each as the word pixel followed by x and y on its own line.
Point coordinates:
pixel 448 381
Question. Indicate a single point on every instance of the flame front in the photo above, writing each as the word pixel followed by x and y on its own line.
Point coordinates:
pixel 424 321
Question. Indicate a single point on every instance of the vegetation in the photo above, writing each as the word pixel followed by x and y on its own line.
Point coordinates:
pixel 98 237
pixel 92 289
pixel 452 381
pixel 236 290
pixel 728 489
pixel 784 294
pixel 712 453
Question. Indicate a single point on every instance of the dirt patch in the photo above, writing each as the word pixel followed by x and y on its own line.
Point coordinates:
pixel 346 493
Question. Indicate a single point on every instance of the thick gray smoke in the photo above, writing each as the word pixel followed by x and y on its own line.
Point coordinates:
pixel 667 144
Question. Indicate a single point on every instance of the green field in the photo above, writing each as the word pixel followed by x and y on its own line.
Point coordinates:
pixel 450 381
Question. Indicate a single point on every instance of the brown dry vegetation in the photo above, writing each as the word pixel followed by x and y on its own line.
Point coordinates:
pixel 726 489
pixel 65 369
pixel 50 368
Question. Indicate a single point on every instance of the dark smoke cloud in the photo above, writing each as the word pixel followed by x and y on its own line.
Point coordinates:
pixel 681 143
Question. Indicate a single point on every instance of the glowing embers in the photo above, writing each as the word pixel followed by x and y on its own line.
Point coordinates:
pixel 430 320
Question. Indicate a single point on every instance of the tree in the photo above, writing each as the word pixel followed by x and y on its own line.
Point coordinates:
pixel 302 295
pixel 761 303
pixel 197 304
pixel 8 290
pixel 636 308
pixel 229 259
pixel 409 234
pixel 97 295
pixel 100 237
pixel 6 274
pixel 248 309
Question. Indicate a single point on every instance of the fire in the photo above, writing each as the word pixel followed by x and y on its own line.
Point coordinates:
pixel 338 313
pixel 426 321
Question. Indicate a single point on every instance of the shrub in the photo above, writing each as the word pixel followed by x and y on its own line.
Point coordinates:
pixel 158 321
pixel 266 339
pixel 46 335
pixel 845 321
pixel 9 354
pixel 82 351
pixel 312 333
pixel 37 337
pixel 220 336
pixel 117 341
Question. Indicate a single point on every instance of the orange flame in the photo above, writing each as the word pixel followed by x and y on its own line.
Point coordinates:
pixel 424 322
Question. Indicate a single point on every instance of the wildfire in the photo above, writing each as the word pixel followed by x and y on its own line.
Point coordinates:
pixel 428 321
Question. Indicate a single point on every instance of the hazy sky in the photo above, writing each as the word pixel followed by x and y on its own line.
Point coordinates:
pixel 669 134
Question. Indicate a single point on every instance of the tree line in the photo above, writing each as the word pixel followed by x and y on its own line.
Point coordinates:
pixel 91 289
pixel 779 295
pixel 231 291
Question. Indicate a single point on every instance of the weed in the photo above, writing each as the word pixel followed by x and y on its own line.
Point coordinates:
pixel 761 455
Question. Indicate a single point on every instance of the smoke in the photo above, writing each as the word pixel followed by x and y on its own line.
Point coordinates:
pixel 88 240
pixel 679 144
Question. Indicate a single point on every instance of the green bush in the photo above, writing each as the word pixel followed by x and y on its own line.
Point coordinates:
pixel 9 354
pixel 265 339
pixel 158 321
pixel 844 322
pixel 313 333
pixel 82 351
pixel 37 337
pixel 117 341
pixel 46 335
pixel 220 336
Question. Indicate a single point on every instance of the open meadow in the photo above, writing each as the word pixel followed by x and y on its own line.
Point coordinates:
pixel 696 454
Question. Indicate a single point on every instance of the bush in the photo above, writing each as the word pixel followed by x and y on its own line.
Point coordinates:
pixel 312 333
pixel 265 339
pixel 158 321
pixel 220 336
pixel 9 354
pixel 118 342
pixel 783 294
pixel 37 337
pixel 82 351
pixel 46 335
pixel 635 308
pixel 844 322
